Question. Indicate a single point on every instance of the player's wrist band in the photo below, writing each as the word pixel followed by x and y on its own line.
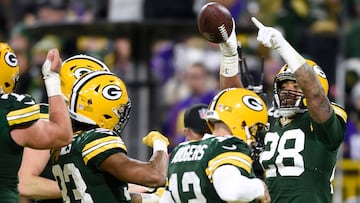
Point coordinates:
pixel 52 84
pixel 159 144
pixel 229 66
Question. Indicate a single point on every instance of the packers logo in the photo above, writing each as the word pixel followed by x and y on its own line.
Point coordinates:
pixel 81 71
pixel 10 59
pixel 319 71
pixel 112 92
pixel 253 103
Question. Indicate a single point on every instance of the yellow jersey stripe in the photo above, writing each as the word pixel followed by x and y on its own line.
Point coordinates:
pixel 44 116
pixel 340 112
pixel 100 141
pixel 233 158
pixel 23 115
pixel 90 153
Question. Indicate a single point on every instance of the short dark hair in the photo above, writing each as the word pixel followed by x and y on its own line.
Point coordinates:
pixel 194 118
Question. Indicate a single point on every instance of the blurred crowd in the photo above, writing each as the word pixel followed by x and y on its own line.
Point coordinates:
pixel 186 69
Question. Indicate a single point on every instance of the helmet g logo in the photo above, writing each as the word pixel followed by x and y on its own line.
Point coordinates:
pixel 112 92
pixel 10 59
pixel 319 71
pixel 253 103
pixel 81 71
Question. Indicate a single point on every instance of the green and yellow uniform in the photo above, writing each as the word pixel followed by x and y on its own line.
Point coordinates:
pixel 78 173
pixel 192 164
pixel 16 111
pixel 299 158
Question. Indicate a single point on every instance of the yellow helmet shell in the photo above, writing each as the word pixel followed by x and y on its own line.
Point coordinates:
pixel 100 98
pixel 9 69
pixel 238 108
pixel 75 67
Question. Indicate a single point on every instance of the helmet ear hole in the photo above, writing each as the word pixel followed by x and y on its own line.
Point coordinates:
pixel 106 116
pixel 7 84
pixel 243 124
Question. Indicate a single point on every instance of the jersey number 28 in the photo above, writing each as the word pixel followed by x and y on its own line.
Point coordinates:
pixel 273 160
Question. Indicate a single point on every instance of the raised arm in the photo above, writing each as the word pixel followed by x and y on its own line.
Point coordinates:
pixel 56 132
pixel 318 104
pixel 229 69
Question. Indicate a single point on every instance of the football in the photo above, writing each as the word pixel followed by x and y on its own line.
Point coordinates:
pixel 215 22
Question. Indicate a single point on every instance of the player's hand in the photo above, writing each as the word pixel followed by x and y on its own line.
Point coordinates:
pixel 268 36
pixel 50 71
pixel 229 47
pixel 52 63
pixel 152 136
pixel 266 198
pixel 272 38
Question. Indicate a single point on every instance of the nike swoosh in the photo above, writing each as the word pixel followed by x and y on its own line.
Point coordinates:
pixel 30 102
pixel 232 147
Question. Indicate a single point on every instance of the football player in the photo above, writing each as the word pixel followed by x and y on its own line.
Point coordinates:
pixel 36 181
pixel 306 129
pixel 218 168
pixel 195 126
pixel 22 125
pixel 95 165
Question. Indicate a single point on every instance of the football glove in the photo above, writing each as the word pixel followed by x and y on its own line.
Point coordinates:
pixel 230 58
pixel 272 38
pixel 154 137
pixel 229 47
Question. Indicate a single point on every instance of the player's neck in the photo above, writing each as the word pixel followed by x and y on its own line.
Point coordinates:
pixel 221 129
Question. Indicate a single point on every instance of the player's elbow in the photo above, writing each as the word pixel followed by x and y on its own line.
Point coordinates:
pixel 64 138
pixel 157 179
pixel 24 189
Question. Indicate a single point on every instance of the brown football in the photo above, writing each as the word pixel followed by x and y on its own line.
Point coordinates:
pixel 215 22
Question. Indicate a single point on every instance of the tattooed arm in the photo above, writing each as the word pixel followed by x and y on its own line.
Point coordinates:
pixel 317 102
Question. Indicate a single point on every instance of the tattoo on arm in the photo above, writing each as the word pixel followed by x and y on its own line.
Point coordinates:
pixel 316 99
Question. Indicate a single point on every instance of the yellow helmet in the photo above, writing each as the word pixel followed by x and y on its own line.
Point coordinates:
pixel 100 98
pixel 75 67
pixel 299 106
pixel 242 110
pixel 9 69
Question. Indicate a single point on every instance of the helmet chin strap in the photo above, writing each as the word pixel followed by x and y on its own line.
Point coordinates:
pixel 248 135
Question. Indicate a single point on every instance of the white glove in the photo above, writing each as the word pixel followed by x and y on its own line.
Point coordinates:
pixel 230 58
pixel 229 47
pixel 51 79
pixel 272 38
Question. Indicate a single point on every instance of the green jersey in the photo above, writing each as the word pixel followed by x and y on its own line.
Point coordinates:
pixel 78 173
pixel 299 158
pixel 16 111
pixel 46 173
pixel 193 163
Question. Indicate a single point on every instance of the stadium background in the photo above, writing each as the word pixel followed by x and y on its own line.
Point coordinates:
pixel 152 43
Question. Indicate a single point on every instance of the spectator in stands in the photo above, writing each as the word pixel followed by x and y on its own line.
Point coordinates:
pixel 196 78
